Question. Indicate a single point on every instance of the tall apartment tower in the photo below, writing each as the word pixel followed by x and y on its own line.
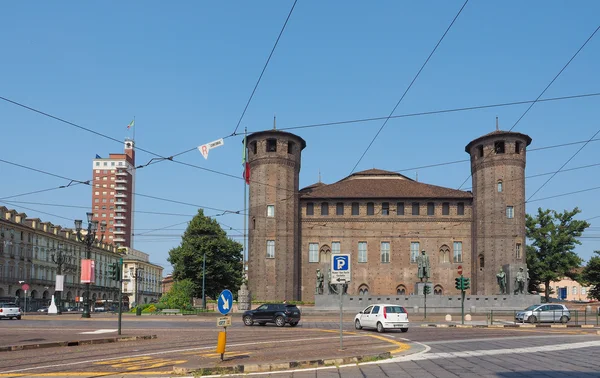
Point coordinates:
pixel 274 260
pixel 112 195
pixel 498 224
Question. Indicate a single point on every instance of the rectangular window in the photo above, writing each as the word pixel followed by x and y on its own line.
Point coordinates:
pixel 97 193
pixel 355 208
pixel 460 208
pixel 385 252
pixel 271 145
pixel 362 252
pixel 499 186
pixel 574 290
pixel 385 208
pixel 480 151
pixel 457 252
pixel 414 251
pixel 517 147
pixel 339 208
pixel 415 208
pixel 336 247
pixel 583 291
pixel 510 212
pixel 270 249
pixel 324 208
pixel 270 210
pixel 430 208
pixel 446 208
pixel 290 147
pixel 310 208
pixel 370 208
pixel 400 208
pixel 97 165
pixel 313 252
pixel 518 250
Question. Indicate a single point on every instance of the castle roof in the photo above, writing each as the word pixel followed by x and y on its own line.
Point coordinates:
pixel 377 183
pixel 497 133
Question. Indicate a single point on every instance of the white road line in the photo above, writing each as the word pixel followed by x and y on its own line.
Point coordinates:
pixel 98 331
pixel 505 338
pixel 175 351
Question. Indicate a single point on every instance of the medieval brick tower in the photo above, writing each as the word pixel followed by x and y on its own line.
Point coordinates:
pixel 274 261
pixel 498 228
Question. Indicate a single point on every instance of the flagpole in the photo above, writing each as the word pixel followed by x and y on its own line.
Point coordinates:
pixel 134 127
pixel 245 209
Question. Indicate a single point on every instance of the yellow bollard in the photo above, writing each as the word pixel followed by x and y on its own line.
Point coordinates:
pixel 221 341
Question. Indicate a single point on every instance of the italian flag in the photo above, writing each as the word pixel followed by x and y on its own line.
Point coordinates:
pixel 130 124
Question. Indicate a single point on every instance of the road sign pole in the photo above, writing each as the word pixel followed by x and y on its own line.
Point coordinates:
pixel 120 273
pixel 340 289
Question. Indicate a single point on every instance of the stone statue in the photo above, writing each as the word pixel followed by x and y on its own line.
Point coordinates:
pixel 520 281
pixel 319 286
pixel 330 286
pixel 424 267
pixel 501 278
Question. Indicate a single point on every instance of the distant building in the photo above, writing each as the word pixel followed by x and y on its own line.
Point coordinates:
pixel 568 290
pixel 139 273
pixel 112 194
pixel 27 248
pixel 167 282
pixel 383 220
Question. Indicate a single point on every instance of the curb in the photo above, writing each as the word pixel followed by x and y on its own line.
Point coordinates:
pixel 12 348
pixel 524 325
pixel 256 368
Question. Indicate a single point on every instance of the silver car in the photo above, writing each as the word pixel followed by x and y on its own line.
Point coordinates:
pixel 10 311
pixel 552 313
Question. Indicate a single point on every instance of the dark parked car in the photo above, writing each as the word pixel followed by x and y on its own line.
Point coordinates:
pixel 278 313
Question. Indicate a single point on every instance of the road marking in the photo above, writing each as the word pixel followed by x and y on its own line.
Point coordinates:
pixel 98 331
pixel 227 354
pixel 402 347
pixel 170 351
pixel 501 339
pixel 88 374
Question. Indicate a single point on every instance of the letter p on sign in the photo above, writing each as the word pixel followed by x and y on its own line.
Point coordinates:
pixel 340 268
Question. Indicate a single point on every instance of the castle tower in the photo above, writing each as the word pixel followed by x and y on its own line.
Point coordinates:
pixel 498 228
pixel 273 219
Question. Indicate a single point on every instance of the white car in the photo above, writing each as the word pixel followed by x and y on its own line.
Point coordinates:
pixel 382 316
pixel 10 310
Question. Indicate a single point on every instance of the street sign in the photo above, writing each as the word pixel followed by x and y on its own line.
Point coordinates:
pixel 25 287
pixel 224 321
pixel 460 269
pixel 225 302
pixel 340 268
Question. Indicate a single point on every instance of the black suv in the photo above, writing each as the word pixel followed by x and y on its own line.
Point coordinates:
pixel 278 313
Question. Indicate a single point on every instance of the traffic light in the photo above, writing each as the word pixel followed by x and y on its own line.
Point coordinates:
pixel 458 283
pixel 114 272
pixel 466 283
pixel 426 290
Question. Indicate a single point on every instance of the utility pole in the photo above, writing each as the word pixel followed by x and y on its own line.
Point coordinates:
pixel 203 281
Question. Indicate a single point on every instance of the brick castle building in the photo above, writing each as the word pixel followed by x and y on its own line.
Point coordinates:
pixel 383 219
pixel 112 195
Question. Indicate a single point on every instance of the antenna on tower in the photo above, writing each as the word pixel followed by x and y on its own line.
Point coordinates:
pixel 274 122
pixel 497 124
pixel 417 176
pixel 319 174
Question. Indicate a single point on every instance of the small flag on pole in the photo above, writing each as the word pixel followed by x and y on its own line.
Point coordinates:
pixel 130 124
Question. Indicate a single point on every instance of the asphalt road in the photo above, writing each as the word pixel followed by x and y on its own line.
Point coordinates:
pixel 422 352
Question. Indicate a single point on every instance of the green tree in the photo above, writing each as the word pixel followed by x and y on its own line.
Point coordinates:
pixel 591 276
pixel 179 295
pixel 550 256
pixel 204 236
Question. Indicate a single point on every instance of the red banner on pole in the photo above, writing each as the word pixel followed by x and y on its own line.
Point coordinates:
pixel 88 271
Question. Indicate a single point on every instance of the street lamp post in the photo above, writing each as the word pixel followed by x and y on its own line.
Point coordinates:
pixel 60 259
pixel 137 280
pixel 88 240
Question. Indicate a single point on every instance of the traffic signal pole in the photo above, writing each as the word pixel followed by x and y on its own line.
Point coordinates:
pixel 462 301
pixel 119 281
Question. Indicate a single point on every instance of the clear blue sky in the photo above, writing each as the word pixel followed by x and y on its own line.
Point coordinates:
pixel 186 69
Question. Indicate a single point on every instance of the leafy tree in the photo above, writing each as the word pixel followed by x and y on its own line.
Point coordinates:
pixel 224 263
pixel 591 276
pixel 179 295
pixel 554 235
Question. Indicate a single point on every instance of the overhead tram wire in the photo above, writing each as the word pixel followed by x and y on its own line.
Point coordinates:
pixel 409 86
pixel 542 93
pixel 264 68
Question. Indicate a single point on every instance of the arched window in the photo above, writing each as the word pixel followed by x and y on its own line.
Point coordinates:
pixel 444 254
pixel 401 290
pixel 481 262
pixel 500 186
pixel 438 290
pixel 363 289
pixel 325 253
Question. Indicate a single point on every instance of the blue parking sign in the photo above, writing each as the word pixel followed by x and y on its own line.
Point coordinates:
pixel 340 268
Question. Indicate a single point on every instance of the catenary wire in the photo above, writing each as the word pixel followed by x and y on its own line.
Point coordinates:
pixel 410 86
pixel 264 68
